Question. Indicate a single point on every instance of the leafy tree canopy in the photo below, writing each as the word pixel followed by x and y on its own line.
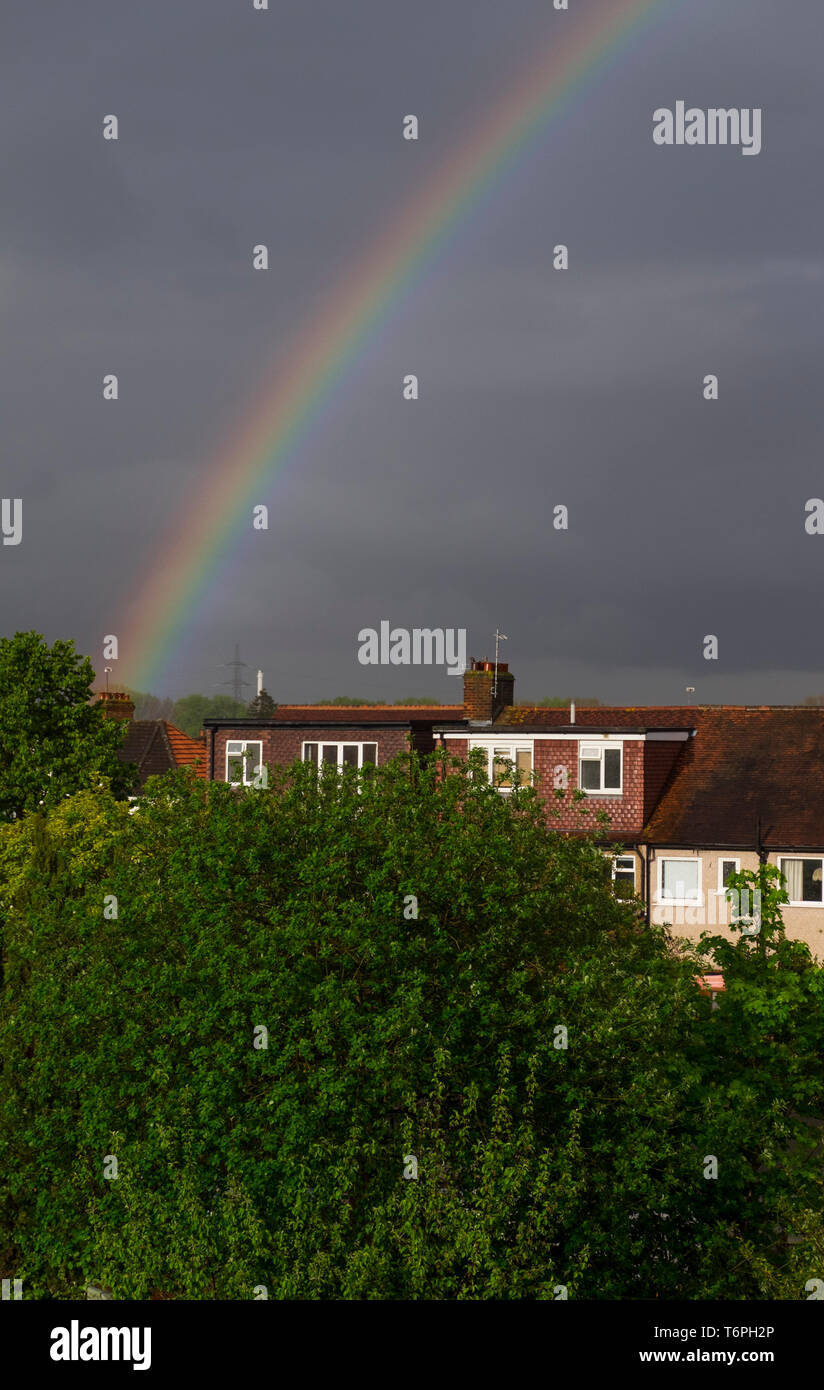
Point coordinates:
pixel 385 1035
pixel 147 706
pixel 190 711
pixel 52 740
pixel 564 701
pixel 262 706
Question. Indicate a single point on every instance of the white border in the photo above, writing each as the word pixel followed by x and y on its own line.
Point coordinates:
pixel 660 900
pixel 603 746
pixel 725 859
pixel 477 737
pixel 345 743
pixel 633 861
pixel 245 743
pixel 820 902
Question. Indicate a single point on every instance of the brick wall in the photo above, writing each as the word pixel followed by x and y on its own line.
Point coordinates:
pixel 284 746
pixel 626 811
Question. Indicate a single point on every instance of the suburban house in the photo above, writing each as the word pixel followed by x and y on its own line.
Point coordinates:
pixel 692 793
pixel 344 735
pixel 154 745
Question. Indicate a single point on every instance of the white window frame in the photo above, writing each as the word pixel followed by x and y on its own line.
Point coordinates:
pixel 631 858
pixel 819 903
pixel 345 743
pixel 722 860
pixel 679 902
pixel 247 765
pixel 511 747
pixel 602 745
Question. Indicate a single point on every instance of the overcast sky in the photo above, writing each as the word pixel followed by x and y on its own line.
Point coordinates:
pixel 538 387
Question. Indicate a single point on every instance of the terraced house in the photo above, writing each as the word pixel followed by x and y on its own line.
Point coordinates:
pixel 692 793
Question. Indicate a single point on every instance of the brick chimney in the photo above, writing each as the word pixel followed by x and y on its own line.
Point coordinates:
pixel 479 677
pixel 115 705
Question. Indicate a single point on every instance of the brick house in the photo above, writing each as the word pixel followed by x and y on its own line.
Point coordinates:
pixel 693 793
pixel 154 745
pixel 348 736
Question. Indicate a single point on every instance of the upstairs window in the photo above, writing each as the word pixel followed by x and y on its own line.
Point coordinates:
pixel 244 760
pixel 600 767
pixel 511 767
pixel 803 878
pixel 341 755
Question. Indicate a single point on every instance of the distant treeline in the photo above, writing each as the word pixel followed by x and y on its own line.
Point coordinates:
pixel 189 712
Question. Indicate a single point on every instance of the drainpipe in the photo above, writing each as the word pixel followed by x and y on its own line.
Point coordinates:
pixel 649 859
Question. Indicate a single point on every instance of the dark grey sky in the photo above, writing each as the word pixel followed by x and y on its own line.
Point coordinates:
pixel 538 387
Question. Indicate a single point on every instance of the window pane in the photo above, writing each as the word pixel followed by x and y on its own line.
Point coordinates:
pixel 612 768
pixel 310 753
pixel 792 869
pixel 330 753
pixel 679 878
pixel 502 774
pixel 234 746
pixel 728 868
pixel 350 755
pixel 370 754
pixel 591 775
pixel 523 766
pixel 251 762
pixel 234 769
pixel 623 874
pixel 812 880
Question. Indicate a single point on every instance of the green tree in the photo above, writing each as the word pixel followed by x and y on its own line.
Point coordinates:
pixel 52 740
pixel 191 710
pixel 263 706
pixel 564 701
pixel 147 706
pixel 440 977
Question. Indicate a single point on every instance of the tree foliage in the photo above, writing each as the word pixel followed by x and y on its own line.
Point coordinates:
pixel 263 706
pixel 190 711
pixel 442 978
pixel 52 740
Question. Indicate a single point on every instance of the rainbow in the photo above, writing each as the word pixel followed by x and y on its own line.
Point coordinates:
pixel 293 395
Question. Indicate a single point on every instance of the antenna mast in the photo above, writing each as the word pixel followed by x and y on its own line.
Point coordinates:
pixel 499 637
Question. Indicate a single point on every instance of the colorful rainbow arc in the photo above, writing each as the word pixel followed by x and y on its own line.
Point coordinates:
pixel 286 407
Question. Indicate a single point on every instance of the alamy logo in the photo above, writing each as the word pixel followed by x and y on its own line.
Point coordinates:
pixel 717 126
pixel 423 646
pixel 76 1343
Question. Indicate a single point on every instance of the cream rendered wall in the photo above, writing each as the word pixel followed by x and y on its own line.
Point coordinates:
pixel 712 914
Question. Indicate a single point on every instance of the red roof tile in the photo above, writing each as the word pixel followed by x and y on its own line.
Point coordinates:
pixel 187 752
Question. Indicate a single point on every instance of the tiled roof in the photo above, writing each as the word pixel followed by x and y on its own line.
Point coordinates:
pixel 742 766
pixel 186 751
pixel 363 714
pixel 156 746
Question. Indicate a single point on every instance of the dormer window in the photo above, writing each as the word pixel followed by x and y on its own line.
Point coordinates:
pixel 600 767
